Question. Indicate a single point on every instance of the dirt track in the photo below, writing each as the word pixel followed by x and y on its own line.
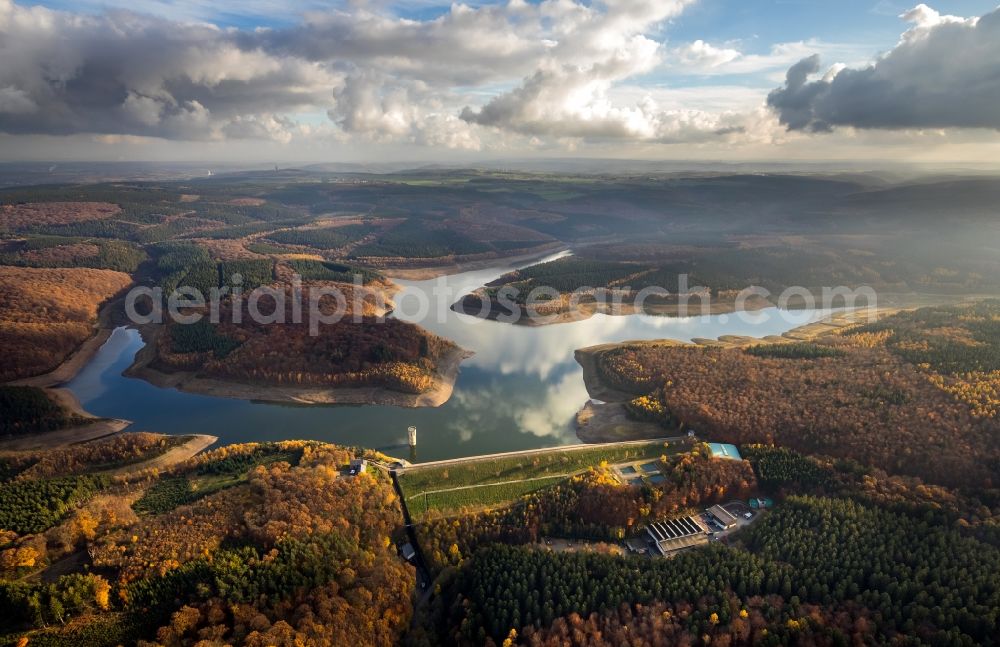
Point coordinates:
pixel 171 456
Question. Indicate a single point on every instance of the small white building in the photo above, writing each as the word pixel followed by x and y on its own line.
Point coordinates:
pixel 358 466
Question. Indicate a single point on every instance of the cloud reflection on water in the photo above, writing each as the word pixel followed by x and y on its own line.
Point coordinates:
pixel 521 390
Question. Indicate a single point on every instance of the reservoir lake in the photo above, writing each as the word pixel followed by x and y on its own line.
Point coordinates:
pixel 521 389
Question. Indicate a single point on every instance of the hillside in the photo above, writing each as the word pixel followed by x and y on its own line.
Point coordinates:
pixel 45 314
pixel 251 544
pixel 913 393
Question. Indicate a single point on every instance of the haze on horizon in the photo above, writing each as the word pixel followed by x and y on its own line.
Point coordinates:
pixel 383 82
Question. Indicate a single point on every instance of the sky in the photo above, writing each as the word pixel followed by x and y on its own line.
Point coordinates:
pixel 382 81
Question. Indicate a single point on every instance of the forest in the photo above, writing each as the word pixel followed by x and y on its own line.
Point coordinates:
pixel 568 274
pixel 876 444
pixel 393 354
pixel 322 238
pixel 794 350
pixel 29 410
pixel 726 231
pixel 828 568
pixel 593 504
pixel 310 270
pixel 263 544
pixel 237 232
pixel 210 476
pixel 418 238
pixel 187 264
pixel 46 313
pixel 290 552
pixel 866 394
pixel 100 455
pixel 411 219
pixel 56 251
pixel 960 348
pixel 20 216
pixel 33 505
pixel 720 270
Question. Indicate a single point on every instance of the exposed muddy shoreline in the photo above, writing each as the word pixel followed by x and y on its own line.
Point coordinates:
pixel 52 382
pixel 189 382
pixel 473 304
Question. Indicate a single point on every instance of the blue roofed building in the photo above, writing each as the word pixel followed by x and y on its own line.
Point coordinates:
pixel 725 450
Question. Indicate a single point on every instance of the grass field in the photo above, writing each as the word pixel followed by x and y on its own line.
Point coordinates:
pixel 168 493
pixel 504 479
pixel 477 496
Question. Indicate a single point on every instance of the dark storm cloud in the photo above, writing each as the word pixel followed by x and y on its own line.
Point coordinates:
pixel 944 73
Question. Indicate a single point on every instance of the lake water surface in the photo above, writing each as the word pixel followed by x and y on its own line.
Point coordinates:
pixel 521 390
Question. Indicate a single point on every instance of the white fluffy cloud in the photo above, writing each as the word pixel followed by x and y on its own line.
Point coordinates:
pixel 704 59
pixel 700 55
pixel 511 76
pixel 581 99
pixel 574 102
pixel 378 77
pixel 943 73
pixel 124 73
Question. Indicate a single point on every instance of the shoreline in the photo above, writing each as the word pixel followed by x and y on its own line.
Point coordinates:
pixel 604 418
pixel 603 422
pixel 457 267
pixel 188 382
pixel 71 366
pixel 889 303
pixel 93 427
pixel 471 304
pixel 85 433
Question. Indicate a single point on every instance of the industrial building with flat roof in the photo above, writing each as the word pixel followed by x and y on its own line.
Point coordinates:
pixel 676 534
pixel 723 517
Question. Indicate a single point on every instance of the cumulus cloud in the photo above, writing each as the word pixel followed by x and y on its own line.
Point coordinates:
pixel 470 78
pixel 464 46
pixel 581 99
pixel 701 55
pixel 382 108
pixel 582 102
pixel 943 73
pixel 124 73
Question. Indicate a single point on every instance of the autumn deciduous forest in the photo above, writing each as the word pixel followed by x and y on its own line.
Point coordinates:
pixel 281 553
pixel 391 353
pixel 884 395
pixel 45 313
